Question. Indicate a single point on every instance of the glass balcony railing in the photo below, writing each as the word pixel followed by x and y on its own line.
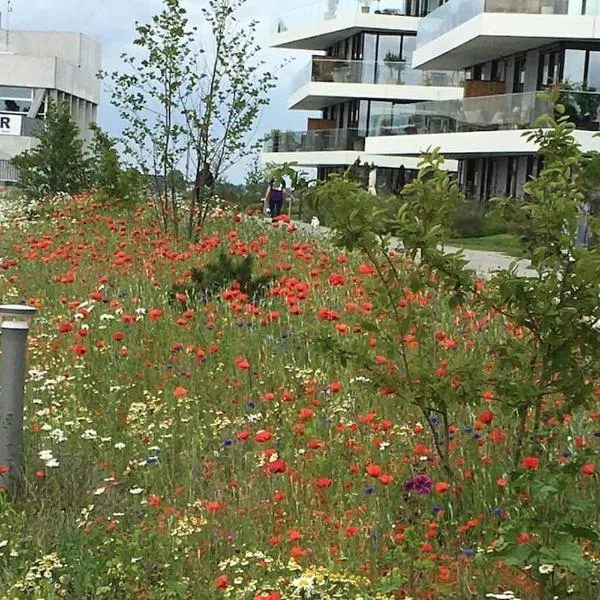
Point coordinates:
pixel 488 113
pixel 318 140
pixel 384 72
pixel 456 12
pixel 313 12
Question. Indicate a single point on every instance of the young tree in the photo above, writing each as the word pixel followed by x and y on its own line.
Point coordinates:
pixel 184 100
pixel 149 99
pixel 105 166
pixel 58 163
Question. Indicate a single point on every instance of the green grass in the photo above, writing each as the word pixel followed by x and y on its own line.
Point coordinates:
pixel 505 243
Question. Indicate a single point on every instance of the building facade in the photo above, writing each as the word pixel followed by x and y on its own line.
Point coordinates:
pixel 36 67
pixel 359 77
pixel 511 51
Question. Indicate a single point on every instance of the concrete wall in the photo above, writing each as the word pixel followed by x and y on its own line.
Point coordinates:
pixel 75 48
pixel 68 62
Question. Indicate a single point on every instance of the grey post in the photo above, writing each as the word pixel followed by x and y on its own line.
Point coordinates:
pixel 14 325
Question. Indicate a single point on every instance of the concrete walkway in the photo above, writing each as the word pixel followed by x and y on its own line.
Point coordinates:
pixel 484 263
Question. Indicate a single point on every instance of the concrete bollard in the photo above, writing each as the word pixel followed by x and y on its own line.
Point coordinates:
pixel 15 321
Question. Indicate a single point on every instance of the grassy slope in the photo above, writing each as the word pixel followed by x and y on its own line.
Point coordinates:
pixel 503 242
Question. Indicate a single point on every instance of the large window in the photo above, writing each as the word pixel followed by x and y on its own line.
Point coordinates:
pixel 574 65
pixel 15 99
pixel 374 47
pixel 582 66
pixel 549 68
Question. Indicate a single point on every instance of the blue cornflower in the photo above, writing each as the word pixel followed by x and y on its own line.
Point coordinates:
pixel 228 442
pixel 469 552
pixel 369 490
pixel 498 512
pixel 566 454
pixel 436 508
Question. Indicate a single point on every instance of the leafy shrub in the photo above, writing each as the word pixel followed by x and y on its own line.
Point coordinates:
pixel 474 221
pixel 58 163
pixel 217 276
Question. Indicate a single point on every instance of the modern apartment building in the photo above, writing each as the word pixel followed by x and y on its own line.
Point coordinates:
pixel 510 51
pixel 359 76
pixel 36 67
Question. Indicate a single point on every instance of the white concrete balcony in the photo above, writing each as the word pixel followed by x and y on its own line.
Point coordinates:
pixel 324 81
pixel 491 125
pixel 331 147
pixel 319 28
pixel 465 32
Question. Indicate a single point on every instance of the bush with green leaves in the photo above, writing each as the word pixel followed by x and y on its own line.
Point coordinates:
pixel 475 220
pixel 59 162
pixel 216 276
pixel 545 372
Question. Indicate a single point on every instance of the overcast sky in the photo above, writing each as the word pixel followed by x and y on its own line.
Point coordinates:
pixel 112 23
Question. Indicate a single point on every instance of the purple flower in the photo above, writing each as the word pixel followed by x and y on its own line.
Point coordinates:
pixel 420 484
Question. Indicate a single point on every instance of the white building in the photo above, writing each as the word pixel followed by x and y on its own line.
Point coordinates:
pixel 36 67
pixel 510 50
pixel 360 77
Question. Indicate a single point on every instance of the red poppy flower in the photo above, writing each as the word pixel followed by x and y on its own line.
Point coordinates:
pixel 335 386
pixel 373 470
pixel 323 482
pixel 263 436
pixel 242 363
pixel 486 417
pixel 4 469
pixel 306 414
pixel 276 467
pixel 588 469
pixel 222 582
pixel 297 552
pixel 442 487
pixel 179 392
pixel 350 531
pixel 268 596
pixel 530 462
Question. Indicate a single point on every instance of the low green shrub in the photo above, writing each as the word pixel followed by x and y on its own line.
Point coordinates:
pixel 474 221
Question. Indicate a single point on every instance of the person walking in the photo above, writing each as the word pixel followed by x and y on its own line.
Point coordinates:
pixel 274 197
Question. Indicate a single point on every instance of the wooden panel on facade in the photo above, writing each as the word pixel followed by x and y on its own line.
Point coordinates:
pixel 475 89
pixel 315 124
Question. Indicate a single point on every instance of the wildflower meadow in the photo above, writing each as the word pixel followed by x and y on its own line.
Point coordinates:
pixel 305 441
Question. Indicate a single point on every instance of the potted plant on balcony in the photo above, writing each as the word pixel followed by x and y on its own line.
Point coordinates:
pixel 365 6
pixel 581 103
pixel 274 137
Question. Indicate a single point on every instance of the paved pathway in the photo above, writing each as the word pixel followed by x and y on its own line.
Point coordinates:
pixel 481 261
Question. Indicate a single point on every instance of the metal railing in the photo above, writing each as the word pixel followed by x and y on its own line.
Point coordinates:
pixel 488 113
pixel 317 140
pixel 456 12
pixel 321 69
